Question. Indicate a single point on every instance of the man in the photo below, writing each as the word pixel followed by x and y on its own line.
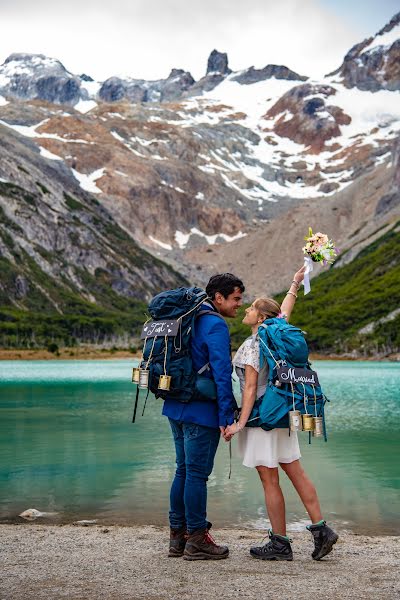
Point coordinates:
pixel 197 426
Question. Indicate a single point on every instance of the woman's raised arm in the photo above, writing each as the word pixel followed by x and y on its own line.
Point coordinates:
pixel 290 298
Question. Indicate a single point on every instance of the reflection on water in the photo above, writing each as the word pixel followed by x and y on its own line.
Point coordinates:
pixel 67 445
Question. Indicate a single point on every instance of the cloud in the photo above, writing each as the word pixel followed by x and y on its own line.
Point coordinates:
pixel 147 38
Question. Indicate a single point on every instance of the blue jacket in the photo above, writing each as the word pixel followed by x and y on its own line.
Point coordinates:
pixel 210 344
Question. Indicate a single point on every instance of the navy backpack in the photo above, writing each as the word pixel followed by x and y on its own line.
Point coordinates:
pixel 167 346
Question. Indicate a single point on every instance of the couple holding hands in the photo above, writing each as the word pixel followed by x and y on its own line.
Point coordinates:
pixel 198 426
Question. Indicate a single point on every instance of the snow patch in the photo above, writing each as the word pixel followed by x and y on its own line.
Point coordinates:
pixel 30 131
pixel 92 87
pixel 385 39
pixel 117 136
pixel 84 106
pixel 87 182
pixel 161 244
pixel 3 101
pixel 46 154
pixel 183 238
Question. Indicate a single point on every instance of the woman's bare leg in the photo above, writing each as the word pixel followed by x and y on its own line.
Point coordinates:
pixel 305 489
pixel 274 499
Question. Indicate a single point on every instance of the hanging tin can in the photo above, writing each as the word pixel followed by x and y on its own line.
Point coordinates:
pixel 308 422
pixel 295 420
pixel 318 426
pixel 144 379
pixel 165 382
pixel 135 375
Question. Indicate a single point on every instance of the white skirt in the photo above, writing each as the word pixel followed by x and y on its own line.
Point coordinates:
pixel 267 448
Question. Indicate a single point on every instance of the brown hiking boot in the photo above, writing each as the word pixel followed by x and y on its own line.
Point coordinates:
pixel 177 541
pixel 201 546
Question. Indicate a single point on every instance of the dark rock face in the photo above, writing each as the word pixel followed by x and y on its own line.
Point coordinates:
pixel 387 203
pixel 21 287
pixel 34 76
pixel 72 241
pixel 305 117
pixel 177 82
pixel 372 66
pixel 58 90
pixel 139 90
pixel 115 89
pixel 218 63
pixel 391 200
pixel 253 75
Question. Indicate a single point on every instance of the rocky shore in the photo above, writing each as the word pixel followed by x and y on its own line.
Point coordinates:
pixel 130 563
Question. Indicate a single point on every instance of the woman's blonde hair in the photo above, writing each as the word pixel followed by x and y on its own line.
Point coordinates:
pixel 267 307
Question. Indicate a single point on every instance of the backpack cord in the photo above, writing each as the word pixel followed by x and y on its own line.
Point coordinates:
pixel 151 352
pixel 165 354
pixel 136 404
pixel 145 402
pixel 273 357
pixel 304 396
pixel 291 385
pixel 315 400
pixel 180 324
pixel 230 458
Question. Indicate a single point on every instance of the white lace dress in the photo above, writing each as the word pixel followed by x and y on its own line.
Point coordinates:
pixel 256 446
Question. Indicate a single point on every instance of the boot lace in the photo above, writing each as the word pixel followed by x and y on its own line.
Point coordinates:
pixel 208 538
pixel 318 539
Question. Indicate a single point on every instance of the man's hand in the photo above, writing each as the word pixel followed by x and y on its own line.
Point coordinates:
pixel 222 430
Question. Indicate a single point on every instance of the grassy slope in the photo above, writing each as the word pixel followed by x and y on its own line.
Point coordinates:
pixel 345 299
pixel 56 311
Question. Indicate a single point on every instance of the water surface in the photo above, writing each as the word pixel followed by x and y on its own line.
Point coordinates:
pixel 67 446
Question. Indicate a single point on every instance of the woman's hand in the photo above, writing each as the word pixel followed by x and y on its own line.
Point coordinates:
pixel 299 275
pixel 231 430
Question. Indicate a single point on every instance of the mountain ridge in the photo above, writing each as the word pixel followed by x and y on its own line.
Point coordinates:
pixel 105 203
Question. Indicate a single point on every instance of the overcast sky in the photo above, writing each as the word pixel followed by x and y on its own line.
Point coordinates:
pixel 147 38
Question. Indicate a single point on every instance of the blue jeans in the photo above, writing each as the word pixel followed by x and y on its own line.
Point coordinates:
pixel 195 447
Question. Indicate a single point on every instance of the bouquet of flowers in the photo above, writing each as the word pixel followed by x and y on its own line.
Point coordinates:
pixel 318 248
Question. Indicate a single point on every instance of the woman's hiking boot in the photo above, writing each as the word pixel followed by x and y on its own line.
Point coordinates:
pixel 278 548
pixel 324 539
pixel 177 541
pixel 200 545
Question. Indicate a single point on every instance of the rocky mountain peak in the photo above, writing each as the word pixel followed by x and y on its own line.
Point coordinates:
pixel 85 77
pixel 35 76
pixel 253 75
pixel 218 63
pixel 33 60
pixel 374 63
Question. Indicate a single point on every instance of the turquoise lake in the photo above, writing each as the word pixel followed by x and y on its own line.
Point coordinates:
pixel 68 447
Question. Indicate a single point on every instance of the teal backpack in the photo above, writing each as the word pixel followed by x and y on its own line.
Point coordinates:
pixel 292 384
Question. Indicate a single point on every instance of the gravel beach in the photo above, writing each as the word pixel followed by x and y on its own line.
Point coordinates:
pixel 117 563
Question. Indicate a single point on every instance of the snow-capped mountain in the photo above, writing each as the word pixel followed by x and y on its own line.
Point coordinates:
pixel 183 165
pixel 374 64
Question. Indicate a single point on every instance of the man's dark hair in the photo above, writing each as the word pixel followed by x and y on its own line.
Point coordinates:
pixel 225 284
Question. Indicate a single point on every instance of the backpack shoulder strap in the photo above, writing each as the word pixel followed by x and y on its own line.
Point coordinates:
pixel 205 311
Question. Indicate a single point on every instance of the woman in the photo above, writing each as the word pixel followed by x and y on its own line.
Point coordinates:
pixel 266 450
